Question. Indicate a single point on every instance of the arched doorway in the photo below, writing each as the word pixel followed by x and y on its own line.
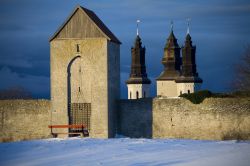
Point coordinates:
pixel 79 112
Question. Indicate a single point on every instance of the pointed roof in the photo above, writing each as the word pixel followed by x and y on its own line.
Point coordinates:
pixel 172 41
pixel 137 41
pixel 188 41
pixel 138 74
pixel 94 18
pixel 188 37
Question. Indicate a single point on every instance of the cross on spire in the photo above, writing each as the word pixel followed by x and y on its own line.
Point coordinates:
pixel 172 25
pixel 188 24
pixel 137 27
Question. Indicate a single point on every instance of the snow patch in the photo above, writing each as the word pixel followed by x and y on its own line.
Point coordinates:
pixel 125 151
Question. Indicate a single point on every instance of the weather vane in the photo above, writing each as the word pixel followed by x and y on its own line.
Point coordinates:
pixel 172 25
pixel 188 24
pixel 137 27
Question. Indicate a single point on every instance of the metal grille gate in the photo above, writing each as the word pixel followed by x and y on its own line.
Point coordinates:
pixel 80 114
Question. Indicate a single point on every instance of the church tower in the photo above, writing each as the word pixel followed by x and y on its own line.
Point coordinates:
pixel 188 57
pixel 189 81
pixel 171 60
pixel 179 75
pixel 138 83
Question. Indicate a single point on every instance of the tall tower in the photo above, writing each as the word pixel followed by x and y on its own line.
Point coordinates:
pixel 138 82
pixel 188 58
pixel 189 81
pixel 171 60
pixel 85 74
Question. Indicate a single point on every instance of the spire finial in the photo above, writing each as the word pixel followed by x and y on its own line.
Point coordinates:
pixel 137 27
pixel 188 24
pixel 172 25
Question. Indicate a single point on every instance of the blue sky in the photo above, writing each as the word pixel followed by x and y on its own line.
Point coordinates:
pixel 219 29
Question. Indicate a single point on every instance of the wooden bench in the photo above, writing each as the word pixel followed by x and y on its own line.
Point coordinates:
pixel 82 132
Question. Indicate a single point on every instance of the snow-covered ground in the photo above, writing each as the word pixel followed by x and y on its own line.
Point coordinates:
pixel 125 151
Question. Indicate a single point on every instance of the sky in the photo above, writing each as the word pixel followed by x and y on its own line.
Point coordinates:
pixel 220 29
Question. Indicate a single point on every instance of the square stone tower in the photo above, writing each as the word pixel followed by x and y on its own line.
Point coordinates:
pixel 85 74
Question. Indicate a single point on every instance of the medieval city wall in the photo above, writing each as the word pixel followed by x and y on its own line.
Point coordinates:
pixel 135 118
pixel 213 119
pixel 24 119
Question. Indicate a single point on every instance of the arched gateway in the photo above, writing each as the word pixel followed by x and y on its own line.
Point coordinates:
pixel 79 109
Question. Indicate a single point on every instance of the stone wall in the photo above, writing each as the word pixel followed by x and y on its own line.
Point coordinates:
pixel 135 118
pixel 213 119
pixel 24 119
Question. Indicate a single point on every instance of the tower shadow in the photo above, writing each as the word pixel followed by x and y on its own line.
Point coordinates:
pixel 135 118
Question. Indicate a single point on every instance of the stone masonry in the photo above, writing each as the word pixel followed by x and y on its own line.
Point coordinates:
pixel 24 119
pixel 213 119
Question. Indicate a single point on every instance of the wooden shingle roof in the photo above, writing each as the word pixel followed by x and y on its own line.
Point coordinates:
pixel 94 19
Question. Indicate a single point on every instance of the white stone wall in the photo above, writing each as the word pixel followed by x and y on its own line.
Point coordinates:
pixel 167 88
pixel 170 88
pixel 185 88
pixel 188 87
pixel 142 89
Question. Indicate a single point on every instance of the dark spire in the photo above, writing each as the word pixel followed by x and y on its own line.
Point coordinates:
pixel 171 58
pixel 189 73
pixel 138 73
pixel 188 58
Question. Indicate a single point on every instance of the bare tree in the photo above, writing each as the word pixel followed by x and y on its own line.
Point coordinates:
pixel 242 79
pixel 15 93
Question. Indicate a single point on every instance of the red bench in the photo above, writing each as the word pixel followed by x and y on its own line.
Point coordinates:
pixel 83 132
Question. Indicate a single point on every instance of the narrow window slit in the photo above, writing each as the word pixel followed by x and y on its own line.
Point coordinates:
pixel 77 48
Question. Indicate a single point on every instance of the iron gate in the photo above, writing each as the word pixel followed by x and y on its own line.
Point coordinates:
pixel 80 114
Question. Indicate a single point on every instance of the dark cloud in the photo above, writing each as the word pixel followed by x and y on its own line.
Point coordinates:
pixel 220 30
pixel 38 85
pixel 11 27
